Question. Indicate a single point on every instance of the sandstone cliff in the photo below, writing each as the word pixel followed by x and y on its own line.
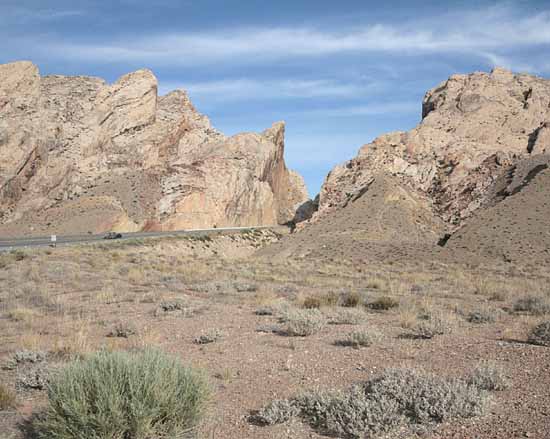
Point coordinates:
pixel 80 155
pixel 473 128
pixel 469 183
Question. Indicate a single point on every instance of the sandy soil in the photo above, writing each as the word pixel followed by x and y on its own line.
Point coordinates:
pixel 65 302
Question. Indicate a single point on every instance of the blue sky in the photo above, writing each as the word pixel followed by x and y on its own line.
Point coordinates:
pixel 339 73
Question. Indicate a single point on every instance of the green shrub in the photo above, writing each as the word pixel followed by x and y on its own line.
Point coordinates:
pixel 540 334
pixel 123 395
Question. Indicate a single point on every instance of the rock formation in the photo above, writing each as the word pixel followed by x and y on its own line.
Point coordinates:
pixel 471 182
pixel 80 155
pixel 473 128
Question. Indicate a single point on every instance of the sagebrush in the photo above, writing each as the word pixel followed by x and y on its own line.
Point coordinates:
pixel 396 398
pixel 123 395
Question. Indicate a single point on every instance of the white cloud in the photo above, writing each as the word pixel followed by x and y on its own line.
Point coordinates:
pixel 246 89
pixel 494 30
pixel 372 109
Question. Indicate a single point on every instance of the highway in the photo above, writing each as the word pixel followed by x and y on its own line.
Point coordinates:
pixel 7 244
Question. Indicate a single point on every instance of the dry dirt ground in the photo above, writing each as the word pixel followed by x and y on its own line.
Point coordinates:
pixel 166 293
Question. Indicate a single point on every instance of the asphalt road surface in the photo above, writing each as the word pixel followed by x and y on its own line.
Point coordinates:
pixel 7 244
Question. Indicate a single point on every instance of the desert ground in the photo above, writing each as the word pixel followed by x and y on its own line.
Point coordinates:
pixel 265 329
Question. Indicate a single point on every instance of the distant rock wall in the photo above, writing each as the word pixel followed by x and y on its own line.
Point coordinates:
pixel 81 155
pixel 473 128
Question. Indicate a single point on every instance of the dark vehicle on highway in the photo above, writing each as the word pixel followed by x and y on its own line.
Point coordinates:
pixel 113 235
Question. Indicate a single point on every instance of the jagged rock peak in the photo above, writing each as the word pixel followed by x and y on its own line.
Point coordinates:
pixel 83 155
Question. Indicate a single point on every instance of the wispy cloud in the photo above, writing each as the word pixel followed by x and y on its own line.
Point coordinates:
pixel 495 31
pixel 246 89
pixel 19 14
pixel 372 109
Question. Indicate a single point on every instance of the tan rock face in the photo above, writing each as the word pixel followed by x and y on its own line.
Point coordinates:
pixel 81 155
pixel 473 127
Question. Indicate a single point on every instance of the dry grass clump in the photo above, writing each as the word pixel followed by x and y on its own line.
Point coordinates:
pixel 361 338
pixel 115 395
pixel 533 304
pixel 350 299
pixel 397 398
pixel 23 315
pixel 302 322
pixel 540 334
pixel 489 376
pixel 347 316
pixel 316 301
pixel 432 325
pixel 7 398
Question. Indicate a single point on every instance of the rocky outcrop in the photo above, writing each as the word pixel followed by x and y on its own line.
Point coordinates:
pixel 81 155
pixel 473 128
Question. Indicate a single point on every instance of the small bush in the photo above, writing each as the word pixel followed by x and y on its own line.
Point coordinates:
pixel 210 337
pixel 18 255
pixel 540 334
pixel 34 378
pixel 303 322
pixel 431 327
pixel 277 412
pixel 398 397
pixel 482 316
pixel 488 376
pixel 348 316
pixel 312 302
pixel 537 305
pixel 349 413
pixel 383 303
pixel 171 306
pixel 7 398
pixel 245 288
pixel 319 300
pixel 425 397
pixel 122 330
pixel 264 311
pixel 24 357
pixel 349 299
pixel 363 338
pixel 121 395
